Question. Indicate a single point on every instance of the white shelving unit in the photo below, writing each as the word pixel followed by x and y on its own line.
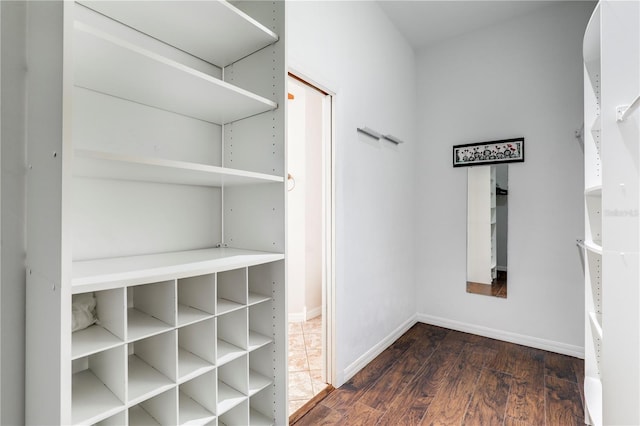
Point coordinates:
pixel 146 192
pixel 611 50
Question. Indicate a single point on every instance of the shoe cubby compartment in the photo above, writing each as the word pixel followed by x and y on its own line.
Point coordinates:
pixel 196 299
pixel 152 366
pixel 260 329
pixel 231 336
pixel 98 385
pixel 232 384
pixel 260 289
pixel 161 410
pixel 196 349
pixel 231 290
pixel 260 369
pixel 237 416
pixel 261 408
pixel 151 309
pixel 108 331
pixel 198 401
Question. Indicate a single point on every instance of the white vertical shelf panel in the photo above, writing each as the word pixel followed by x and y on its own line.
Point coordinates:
pixel 118 68
pixel 226 34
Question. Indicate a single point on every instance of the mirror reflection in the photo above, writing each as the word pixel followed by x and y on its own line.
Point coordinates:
pixel 487 218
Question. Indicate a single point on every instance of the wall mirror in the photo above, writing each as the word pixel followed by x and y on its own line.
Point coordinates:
pixel 487 232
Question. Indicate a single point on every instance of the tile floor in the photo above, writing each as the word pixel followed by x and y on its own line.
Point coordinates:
pixel 305 362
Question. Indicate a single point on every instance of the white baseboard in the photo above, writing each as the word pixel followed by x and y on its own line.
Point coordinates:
pixel 313 312
pixel 297 316
pixel 369 356
pixel 507 336
pixel 305 315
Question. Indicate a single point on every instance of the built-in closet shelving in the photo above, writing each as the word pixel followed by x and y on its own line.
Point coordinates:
pixel 156 189
pixel 611 50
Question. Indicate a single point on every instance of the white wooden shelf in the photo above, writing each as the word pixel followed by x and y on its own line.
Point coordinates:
pixel 591 42
pixel 104 165
pixel 593 399
pixel 190 365
pixel 596 323
pixel 224 33
pixel 593 246
pixel 91 340
pixel 109 65
pixel 228 397
pixel 145 381
pixel 92 401
pixel 100 274
pixel 188 315
pixel 141 325
pixel 225 306
pixel 255 298
pixel 257 382
pixel 257 340
pixel 192 413
pixel 593 191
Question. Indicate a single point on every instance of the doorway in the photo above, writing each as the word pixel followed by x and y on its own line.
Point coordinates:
pixel 309 243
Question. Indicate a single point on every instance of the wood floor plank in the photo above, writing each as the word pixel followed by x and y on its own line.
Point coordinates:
pixel 563 403
pixel 362 415
pixel 489 401
pixel 519 361
pixel 450 403
pixel 410 405
pixel 526 401
pixel 561 366
pixel 479 355
pixel 399 375
pixel 510 421
pixel 321 415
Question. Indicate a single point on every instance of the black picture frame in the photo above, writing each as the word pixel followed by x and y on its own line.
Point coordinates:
pixel 489 152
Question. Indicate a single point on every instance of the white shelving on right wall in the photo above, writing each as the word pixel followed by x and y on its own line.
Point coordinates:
pixel 611 51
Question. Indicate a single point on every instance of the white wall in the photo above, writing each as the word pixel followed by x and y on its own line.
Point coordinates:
pixel 519 78
pixel 12 278
pixel 352 49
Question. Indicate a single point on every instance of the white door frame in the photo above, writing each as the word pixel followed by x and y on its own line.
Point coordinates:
pixel 328 222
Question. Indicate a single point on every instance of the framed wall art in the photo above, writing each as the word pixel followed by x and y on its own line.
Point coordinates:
pixel 491 152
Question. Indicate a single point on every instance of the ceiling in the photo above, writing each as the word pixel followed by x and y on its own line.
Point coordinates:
pixel 424 22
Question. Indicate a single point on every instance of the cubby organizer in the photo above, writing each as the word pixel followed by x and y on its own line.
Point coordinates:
pixel 209 338
pixel 157 166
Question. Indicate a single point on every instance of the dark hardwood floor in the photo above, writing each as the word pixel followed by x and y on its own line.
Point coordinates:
pixel 436 376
